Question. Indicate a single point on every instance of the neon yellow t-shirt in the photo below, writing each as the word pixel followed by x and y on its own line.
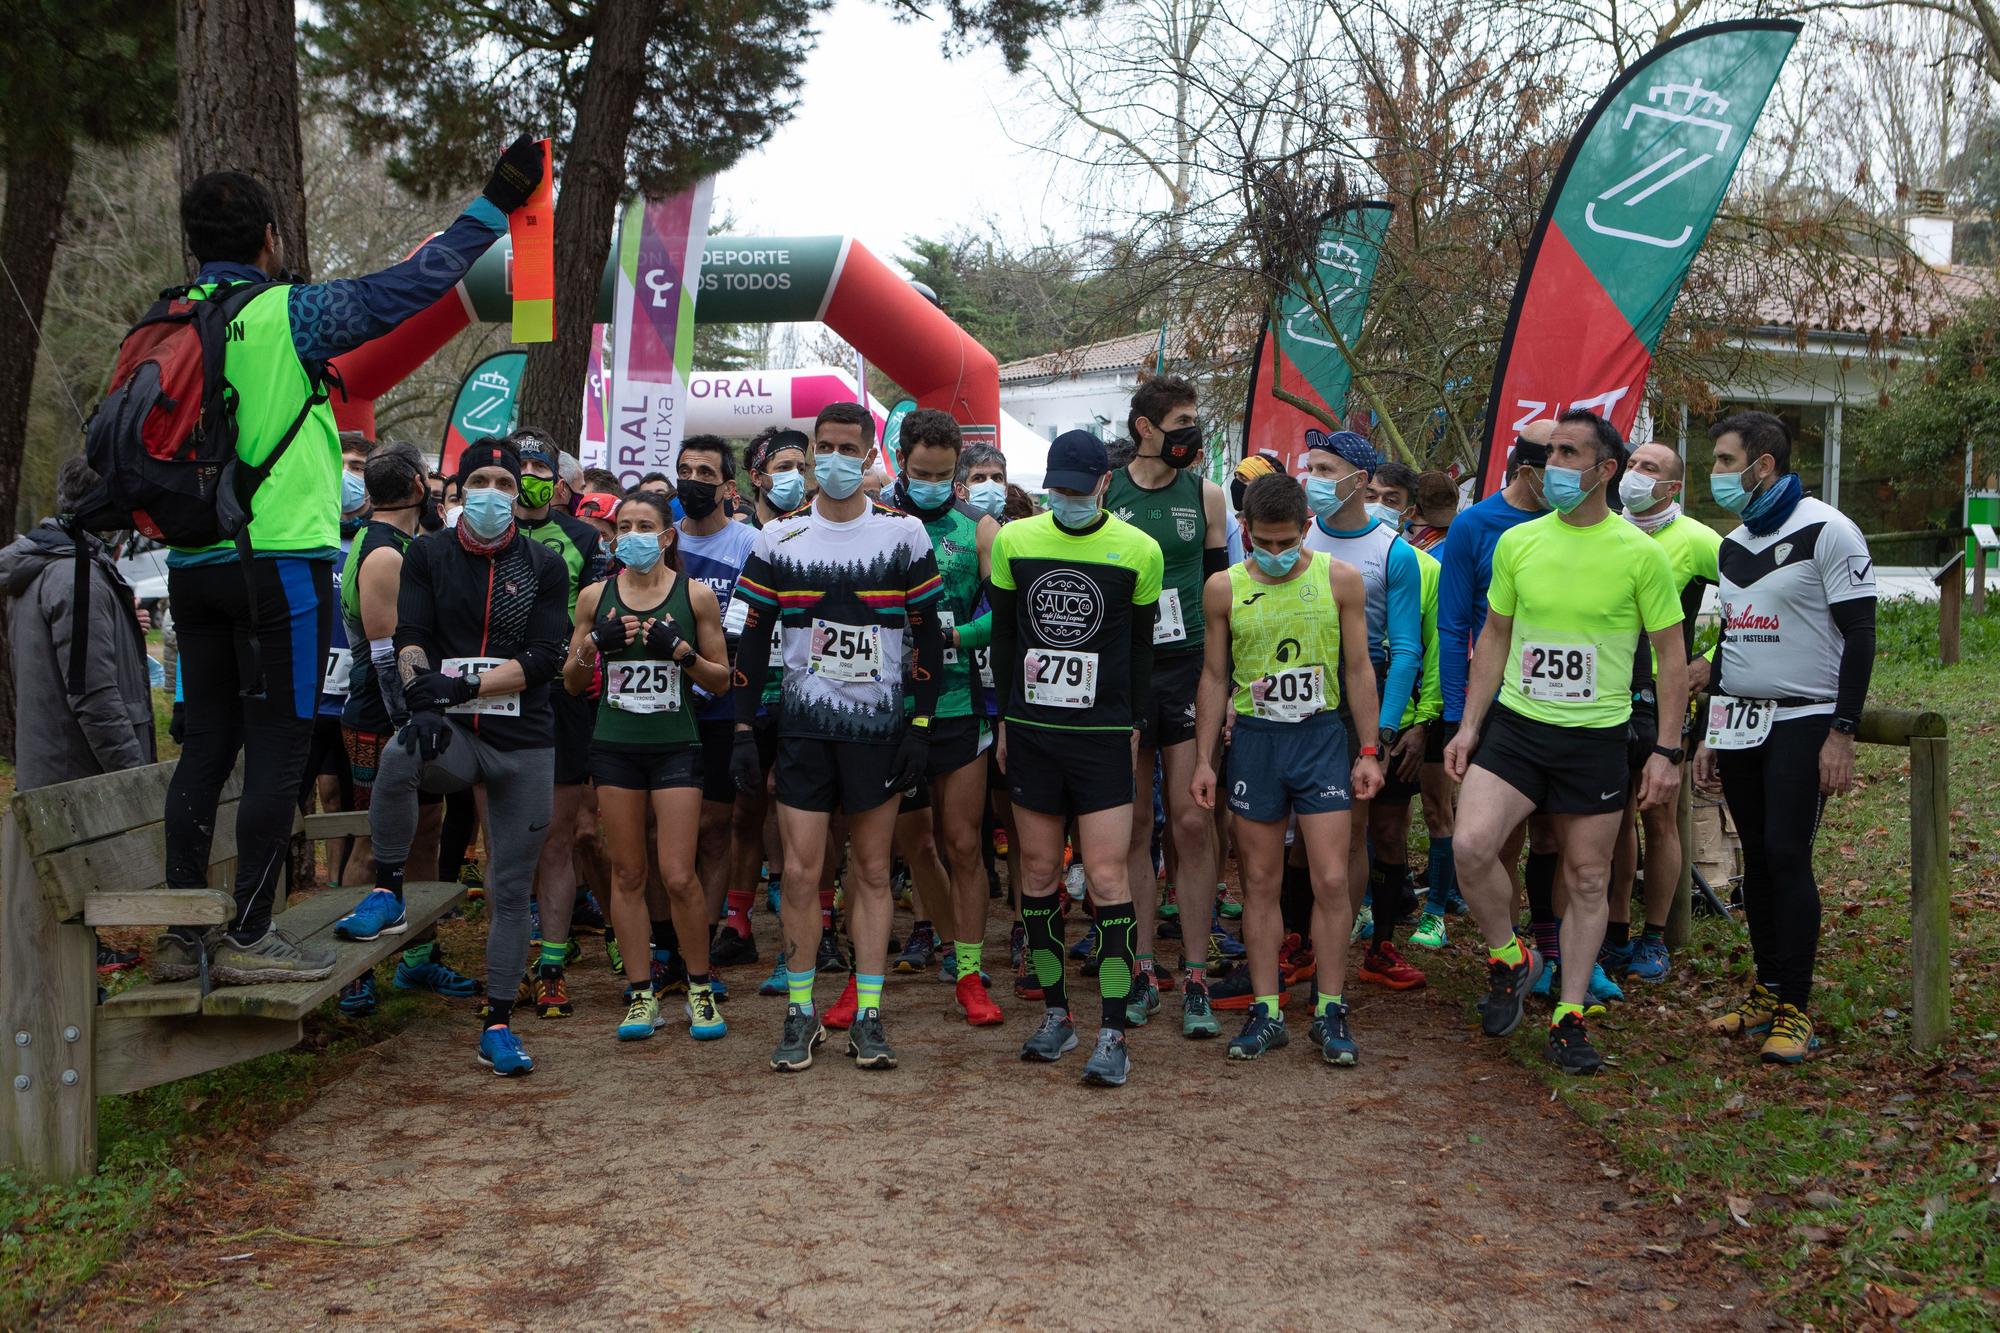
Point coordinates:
pixel 1579 599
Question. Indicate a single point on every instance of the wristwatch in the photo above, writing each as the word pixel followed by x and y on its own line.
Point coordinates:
pixel 1385 737
pixel 1845 726
pixel 1673 754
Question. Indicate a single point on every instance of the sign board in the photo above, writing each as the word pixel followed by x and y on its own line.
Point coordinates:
pixel 1985 538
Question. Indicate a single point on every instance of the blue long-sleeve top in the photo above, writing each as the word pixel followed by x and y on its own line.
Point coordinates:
pixel 1394 584
pixel 1466 568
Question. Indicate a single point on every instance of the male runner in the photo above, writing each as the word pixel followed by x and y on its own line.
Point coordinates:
pixel 1557 650
pixel 1281 627
pixel 1074 594
pixel 1160 494
pixel 1791 677
pixel 855 588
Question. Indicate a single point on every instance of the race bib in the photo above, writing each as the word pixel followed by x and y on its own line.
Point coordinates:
pixel 1739 724
pixel 506 705
pixel 1562 673
pixel 1168 627
pixel 643 687
pixel 846 652
pixel 735 617
pixel 339 673
pixel 983 659
pixel 1057 679
pixel 950 623
pixel 1292 695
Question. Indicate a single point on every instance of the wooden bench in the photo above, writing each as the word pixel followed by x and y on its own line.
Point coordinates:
pixel 90 854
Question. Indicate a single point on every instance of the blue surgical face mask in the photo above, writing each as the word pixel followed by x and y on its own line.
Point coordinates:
pixel 1324 494
pixel 1275 563
pixel 787 489
pixel 1073 511
pixel 353 493
pixel 839 474
pixel 988 497
pixel 638 551
pixel 928 494
pixel 1563 488
pixel 1729 490
pixel 487 512
pixel 1385 514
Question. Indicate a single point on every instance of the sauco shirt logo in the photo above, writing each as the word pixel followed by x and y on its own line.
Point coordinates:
pixel 1067 608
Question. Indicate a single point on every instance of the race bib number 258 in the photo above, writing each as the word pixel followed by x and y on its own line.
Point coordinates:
pixel 1564 673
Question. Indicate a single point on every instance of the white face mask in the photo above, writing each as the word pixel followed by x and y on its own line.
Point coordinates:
pixel 1636 490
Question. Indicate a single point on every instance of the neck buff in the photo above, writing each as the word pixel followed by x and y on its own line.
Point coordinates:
pixel 472 543
pixel 1766 513
pixel 1658 518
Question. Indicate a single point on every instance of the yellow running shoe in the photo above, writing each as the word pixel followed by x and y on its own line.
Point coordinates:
pixel 1791 1039
pixel 642 1015
pixel 1750 1018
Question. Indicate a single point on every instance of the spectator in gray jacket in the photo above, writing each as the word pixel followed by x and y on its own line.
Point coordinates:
pixel 108 725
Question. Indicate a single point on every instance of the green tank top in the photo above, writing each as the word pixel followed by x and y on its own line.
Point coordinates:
pixel 649 703
pixel 1284 643
pixel 1174 517
pixel 955 541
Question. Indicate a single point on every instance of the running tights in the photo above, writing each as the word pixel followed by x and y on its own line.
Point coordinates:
pixel 1773 794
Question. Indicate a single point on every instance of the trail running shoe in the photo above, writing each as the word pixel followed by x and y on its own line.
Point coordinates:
pixel 976 1004
pixel 1170 903
pixel 1234 993
pixel 500 1051
pixel 1384 965
pixel 1615 959
pixel 358 998
pixel 110 960
pixel 1027 986
pixel 1569 1047
pixel 586 914
pixel 1197 1016
pixel 1264 1032
pixel 1791 1039
pixel 613 954
pixel 1364 925
pixel 795 1047
pixel 868 1044
pixel 1054 1039
pixel 642 1014
pixel 1000 844
pixel 552 994
pixel 1752 1016
pixel 1296 962
pixel 1144 1001
pixel 175 958
pixel 773 894
pixel 670 974
pixel 474 881
pixel 920 951
pixel 1017 944
pixel 1430 932
pixel 1603 990
pixel 830 959
pixel 1085 948
pixel 379 913
pixel 731 949
pixel 704 1019
pixel 1336 1043
pixel 1506 992
pixel 1650 960
pixel 841 1016
pixel 1226 905
pixel 779 982
pixel 1224 950
pixel 435 977
pixel 277 957
pixel 1110 1063
pixel 718 988
pixel 1545 980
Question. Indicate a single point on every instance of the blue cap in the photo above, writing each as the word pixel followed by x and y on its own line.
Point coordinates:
pixel 1077 462
pixel 1349 446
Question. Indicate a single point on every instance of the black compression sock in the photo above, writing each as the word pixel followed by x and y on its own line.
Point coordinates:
pixel 499 1013
pixel 389 875
pixel 1040 919
pixel 1117 932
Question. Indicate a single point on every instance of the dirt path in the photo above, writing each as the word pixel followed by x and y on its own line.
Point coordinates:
pixel 671 1184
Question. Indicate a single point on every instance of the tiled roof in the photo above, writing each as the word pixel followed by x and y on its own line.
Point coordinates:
pixel 1134 351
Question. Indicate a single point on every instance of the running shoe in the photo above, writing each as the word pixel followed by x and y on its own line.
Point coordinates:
pixel 868 1044
pixel 1224 949
pixel 535 922
pixel 1264 1032
pixel 1364 925
pixel 277 957
pixel 379 913
pixel 921 949
pixel 475 883
pixel 1506 992
pixel 176 958
pixel 436 977
pixel 1144 1001
pixel 358 997
pixel 899 889
pixel 586 915
pixel 110 960
pixel 552 994
pixel 1569 1047
pixel 1197 1016
pixel 976 1004
pixel 1170 903
pixel 841 1016
pixel 1086 946
pixel 730 948
pixel 1430 932
pixel 1073 882
pixel 1000 843
pixel 1545 980
pixel 1791 1039
pixel 1017 944
pixel 1383 965
pixel 1234 992
pixel 1615 959
pixel 718 988
pixel 795 1047
pixel 830 957
pixel 1336 1043
pixel 948 968
pixel 1027 986
pixel 1458 906
pixel 500 1051
pixel 670 974
pixel 1650 960
pixel 1110 1063
pixel 1752 1017
pixel 779 982
pixel 1226 904
pixel 613 954
pixel 642 1014
pixel 1296 962
pixel 773 895
pixel 1603 990
pixel 1054 1039
pixel 704 1019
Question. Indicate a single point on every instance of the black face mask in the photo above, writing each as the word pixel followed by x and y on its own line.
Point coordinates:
pixel 698 498
pixel 1179 446
pixel 429 516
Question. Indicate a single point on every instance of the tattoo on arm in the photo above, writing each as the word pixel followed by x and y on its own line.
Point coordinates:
pixel 412 660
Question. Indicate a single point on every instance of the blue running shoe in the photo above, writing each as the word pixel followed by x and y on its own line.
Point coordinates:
pixel 1545 980
pixel 717 986
pixel 1224 949
pixel 1650 961
pixel 779 982
pixel 500 1051
pixel 380 913
pixel 1615 958
pixel 774 894
pixel 1336 1042
pixel 358 998
pixel 1603 989
pixel 436 978
pixel 1086 945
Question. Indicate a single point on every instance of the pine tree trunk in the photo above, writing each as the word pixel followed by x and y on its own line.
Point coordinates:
pixel 592 187
pixel 30 229
pixel 239 104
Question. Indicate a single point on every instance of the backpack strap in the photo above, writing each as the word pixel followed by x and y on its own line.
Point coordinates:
pixel 79 608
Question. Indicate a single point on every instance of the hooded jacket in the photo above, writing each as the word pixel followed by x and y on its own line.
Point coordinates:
pixel 109 726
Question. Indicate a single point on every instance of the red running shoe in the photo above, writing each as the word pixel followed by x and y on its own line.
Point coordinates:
pixel 1026 985
pixel 1295 961
pixel 1385 967
pixel 841 1016
pixel 975 1003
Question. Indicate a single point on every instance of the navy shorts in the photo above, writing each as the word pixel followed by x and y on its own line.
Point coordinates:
pixel 1286 768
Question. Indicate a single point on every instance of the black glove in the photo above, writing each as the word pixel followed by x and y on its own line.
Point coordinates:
pixel 177 726
pixel 427 735
pixel 434 689
pixel 516 175
pixel 610 636
pixel 662 637
pixel 913 756
pixel 745 765
pixel 1642 733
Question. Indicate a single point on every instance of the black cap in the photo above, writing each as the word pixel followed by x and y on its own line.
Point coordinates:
pixel 534 447
pixel 489 451
pixel 1077 462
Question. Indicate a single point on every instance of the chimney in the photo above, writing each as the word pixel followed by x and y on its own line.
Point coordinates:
pixel 1928 228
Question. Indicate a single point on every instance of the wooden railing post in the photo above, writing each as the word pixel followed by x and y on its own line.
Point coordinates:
pixel 1930 892
pixel 1680 916
pixel 1951 601
pixel 48 1007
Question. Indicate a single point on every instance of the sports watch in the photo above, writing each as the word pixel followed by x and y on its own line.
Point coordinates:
pixel 1673 754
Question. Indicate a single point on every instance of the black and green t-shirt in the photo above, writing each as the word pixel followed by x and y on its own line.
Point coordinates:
pixel 578 545
pixel 1174 517
pixel 649 702
pixel 954 534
